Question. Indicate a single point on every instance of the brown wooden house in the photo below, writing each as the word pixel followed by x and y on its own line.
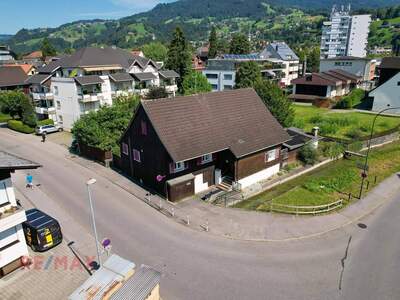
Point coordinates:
pixel 182 146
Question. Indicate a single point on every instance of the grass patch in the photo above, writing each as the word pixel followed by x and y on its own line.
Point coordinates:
pixel 341 125
pixel 330 182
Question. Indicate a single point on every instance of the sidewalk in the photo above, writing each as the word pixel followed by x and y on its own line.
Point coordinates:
pixel 250 225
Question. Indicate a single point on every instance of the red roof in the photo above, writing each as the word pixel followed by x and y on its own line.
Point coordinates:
pixel 25 67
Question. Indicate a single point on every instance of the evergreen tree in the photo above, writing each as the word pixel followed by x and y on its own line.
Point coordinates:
pixel 195 83
pixel 47 48
pixel 213 44
pixel 239 44
pixel 276 101
pixel 179 56
pixel 247 75
pixel 28 112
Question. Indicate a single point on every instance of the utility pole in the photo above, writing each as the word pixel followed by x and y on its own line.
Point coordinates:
pixel 88 184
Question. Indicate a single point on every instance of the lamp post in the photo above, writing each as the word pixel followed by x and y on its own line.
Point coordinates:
pixel 88 184
pixel 364 175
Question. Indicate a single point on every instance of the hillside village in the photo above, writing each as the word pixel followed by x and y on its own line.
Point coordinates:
pixel 224 125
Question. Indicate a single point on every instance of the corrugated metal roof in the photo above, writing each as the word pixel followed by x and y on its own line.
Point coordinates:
pixel 139 286
pixel 115 271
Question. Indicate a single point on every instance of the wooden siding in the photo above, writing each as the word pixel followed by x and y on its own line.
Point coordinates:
pixel 255 163
pixel 180 191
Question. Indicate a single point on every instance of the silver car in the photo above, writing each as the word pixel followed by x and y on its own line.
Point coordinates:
pixel 47 129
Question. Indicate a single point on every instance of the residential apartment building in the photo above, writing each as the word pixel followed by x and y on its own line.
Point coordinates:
pixel 345 35
pixel 6 55
pixel 12 240
pixel 92 77
pixel 277 62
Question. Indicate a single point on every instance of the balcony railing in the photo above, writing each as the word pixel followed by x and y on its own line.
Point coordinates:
pixel 11 217
pixel 90 97
pixel 45 110
pixel 121 93
pixel 42 96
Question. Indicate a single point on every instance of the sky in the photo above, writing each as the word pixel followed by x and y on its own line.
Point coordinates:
pixel 18 14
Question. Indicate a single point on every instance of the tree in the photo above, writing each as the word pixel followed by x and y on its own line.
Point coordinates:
pixel 28 115
pixel 179 56
pixel 10 103
pixel 156 92
pixel 276 101
pixel 47 48
pixel 247 75
pixel 155 51
pixel 195 83
pixel 213 44
pixel 239 44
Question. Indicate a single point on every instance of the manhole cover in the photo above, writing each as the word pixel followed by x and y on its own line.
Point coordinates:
pixel 362 225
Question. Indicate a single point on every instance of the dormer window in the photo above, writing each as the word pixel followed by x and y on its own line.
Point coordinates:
pixel 206 158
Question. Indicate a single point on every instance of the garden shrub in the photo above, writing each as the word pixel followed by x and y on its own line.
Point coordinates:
pixel 328 128
pixel 45 122
pixel 308 155
pixel 331 149
pixel 19 126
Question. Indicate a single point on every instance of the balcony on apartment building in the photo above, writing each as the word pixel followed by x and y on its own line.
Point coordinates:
pixel 168 80
pixel 121 84
pixel 89 88
pixel 11 216
pixel 45 107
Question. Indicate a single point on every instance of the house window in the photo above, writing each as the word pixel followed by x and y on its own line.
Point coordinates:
pixel 227 76
pixel 125 149
pixel 136 155
pixel 228 87
pixel 206 158
pixel 398 83
pixel 214 87
pixel 212 76
pixel 143 127
pixel 56 90
pixel 179 166
pixel 58 104
pixel 270 156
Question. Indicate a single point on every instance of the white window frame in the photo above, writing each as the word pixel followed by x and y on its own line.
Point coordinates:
pixel 270 155
pixel 56 90
pixel 206 158
pixel 125 149
pixel 138 158
pixel 179 166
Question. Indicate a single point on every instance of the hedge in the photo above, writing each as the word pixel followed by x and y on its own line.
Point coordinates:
pixel 45 122
pixel 19 126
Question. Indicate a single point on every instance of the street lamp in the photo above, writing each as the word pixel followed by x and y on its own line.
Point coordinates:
pixel 88 184
pixel 364 175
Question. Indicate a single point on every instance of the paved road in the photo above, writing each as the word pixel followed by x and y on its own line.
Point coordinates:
pixel 200 266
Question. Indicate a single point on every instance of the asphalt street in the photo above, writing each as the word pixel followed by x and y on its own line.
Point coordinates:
pixel 350 263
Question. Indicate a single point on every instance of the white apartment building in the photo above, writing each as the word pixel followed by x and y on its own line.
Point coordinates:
pixel 277 62
pixel 91 78
pixel 345 35
pixel 12 239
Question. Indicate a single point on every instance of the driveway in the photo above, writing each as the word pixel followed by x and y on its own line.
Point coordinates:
pixel 198 265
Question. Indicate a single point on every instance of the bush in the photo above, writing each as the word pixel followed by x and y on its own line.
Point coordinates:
pixel 352 99
pixel 45 122
pixel 308 155
pixel 331 149
pixel 19 126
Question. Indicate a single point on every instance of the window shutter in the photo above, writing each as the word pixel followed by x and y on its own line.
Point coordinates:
pixel 171 168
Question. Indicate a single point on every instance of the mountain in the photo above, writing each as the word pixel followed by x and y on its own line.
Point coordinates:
pixel 4 37
pixel 291 20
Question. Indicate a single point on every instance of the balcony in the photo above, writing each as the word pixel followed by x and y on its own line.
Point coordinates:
pixel 123 93
pixel 45 110
pixel 171 88
pixel 42 96
pixel 90 98
pixel 11 217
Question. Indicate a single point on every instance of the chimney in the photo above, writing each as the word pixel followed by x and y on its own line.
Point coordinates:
pixel 314 142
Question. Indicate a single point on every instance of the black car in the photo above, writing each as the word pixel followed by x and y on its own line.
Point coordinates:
pixel 42 232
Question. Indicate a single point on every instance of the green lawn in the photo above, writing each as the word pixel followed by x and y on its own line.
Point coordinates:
pixel 322 186
pixel 344 125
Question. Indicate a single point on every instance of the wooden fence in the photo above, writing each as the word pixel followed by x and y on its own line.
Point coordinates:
pixel 305 210
pixel 95 153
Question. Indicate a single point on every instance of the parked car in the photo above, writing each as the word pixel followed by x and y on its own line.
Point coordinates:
pixel 48 129
pixel 42 232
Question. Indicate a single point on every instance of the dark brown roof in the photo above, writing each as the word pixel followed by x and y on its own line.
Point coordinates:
pixel 121 77
pixel 390 63
pixel 192 126
pixel 38 79
pixel 332 77
pixel 345 75
pixel 314 79
pixel 88 80
pixel 12 76
pixel 168 74
pixel 144 76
